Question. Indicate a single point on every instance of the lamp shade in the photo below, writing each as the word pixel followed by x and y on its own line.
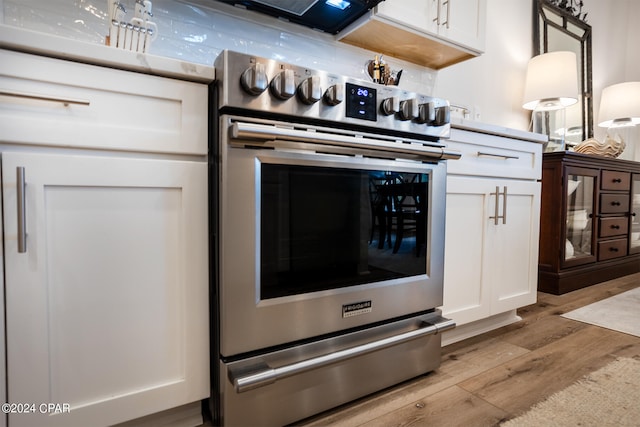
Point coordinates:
pixel 551 82
pixel 620 105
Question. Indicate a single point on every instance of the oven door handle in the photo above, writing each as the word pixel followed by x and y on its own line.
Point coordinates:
pixel 268 375
pixel 261 132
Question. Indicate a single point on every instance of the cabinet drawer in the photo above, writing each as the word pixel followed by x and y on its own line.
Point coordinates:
pixel 613 226
pixel 48 101
pixel 494 156
pixel 612 249
pixel 614 203
pixel 612 180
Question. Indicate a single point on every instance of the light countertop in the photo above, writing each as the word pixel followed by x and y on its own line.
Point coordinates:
pixel 473 126
pixel 63 48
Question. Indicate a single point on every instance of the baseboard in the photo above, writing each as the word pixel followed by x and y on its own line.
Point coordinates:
pixel 478 327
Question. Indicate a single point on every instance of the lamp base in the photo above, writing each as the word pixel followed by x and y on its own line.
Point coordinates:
pixel 550 123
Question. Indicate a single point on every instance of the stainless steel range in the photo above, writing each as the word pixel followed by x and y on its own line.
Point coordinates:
pixel 328 205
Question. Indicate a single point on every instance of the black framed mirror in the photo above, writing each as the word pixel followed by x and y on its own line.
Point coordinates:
pixel 559 26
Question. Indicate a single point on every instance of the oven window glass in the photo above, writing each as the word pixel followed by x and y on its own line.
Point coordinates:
pixel 326 228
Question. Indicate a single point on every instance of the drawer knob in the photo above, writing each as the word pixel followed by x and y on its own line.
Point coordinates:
pixel 615 227
pixel 615 203
pixel 613 249
pixel 617 180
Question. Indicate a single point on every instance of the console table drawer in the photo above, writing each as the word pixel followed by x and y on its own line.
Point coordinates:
pixel 613 226
pixel 613 180
pixel 612 249
pixel 614 203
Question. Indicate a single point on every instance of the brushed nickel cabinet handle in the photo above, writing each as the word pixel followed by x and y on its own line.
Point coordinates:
pixel 496 207
pixel 22 226
pixel 497 217
pixel 504 206
pixel 65 101
pixel 448 3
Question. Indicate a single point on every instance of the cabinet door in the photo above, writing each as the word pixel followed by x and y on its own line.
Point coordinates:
pixel 468 205
pixel 513 246
pixel 417 14
pixel 107 309
pixel 490 267
pixel 580 216
pixel 463 22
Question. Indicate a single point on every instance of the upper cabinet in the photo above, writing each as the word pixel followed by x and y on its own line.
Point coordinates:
pixel 431 33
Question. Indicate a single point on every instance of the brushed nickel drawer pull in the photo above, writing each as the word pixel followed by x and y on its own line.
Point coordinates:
pixel 502 156
pixel 65 101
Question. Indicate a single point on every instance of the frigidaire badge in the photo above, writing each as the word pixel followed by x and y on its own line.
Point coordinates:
pixel 356 309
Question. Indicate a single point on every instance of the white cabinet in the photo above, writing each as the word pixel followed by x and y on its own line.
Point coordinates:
pixel 107 304
pixel 492 231
pixel 432 33
pixel 461 22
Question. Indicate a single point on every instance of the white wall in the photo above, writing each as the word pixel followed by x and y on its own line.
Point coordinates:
pixel 616 55
pixel 492 85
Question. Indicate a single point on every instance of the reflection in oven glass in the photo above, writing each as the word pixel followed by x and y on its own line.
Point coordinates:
pixel 325 228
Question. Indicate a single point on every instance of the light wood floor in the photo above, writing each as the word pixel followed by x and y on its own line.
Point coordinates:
pixel 499 375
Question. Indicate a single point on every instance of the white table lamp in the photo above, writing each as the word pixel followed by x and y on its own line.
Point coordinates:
pixel 551 85
pixel 620 110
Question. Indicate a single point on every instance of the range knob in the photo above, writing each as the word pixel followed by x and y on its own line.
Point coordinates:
pixel 443 116
pixel 427 113
pixel 254 79
pixel 390 106
pixel 283 85
pixel 408 109
pixel 309 90
pixel 334 95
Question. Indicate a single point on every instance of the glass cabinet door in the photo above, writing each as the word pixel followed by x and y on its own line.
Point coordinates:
pixel 579 247
pixel 634 226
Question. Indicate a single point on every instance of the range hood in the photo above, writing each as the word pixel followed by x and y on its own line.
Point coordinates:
pixel 330 16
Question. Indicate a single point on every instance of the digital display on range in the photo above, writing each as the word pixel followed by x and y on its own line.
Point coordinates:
pixel 361 102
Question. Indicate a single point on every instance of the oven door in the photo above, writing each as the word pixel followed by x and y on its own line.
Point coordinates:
pixel 309 238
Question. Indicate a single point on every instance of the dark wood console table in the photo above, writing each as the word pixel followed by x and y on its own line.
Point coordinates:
pixel 589 221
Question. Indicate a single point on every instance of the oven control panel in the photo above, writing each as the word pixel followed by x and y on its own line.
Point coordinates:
pixel 266 85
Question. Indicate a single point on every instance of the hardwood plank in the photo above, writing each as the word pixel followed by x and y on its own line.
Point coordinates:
pixel 450 407
pixel 516 385
pixel 536 333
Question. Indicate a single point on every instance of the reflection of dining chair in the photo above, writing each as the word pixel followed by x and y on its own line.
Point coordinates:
pixel 399 204
pixel 380 206
pixel 410 213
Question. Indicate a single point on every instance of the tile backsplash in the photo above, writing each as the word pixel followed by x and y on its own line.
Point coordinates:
pixel 198 30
